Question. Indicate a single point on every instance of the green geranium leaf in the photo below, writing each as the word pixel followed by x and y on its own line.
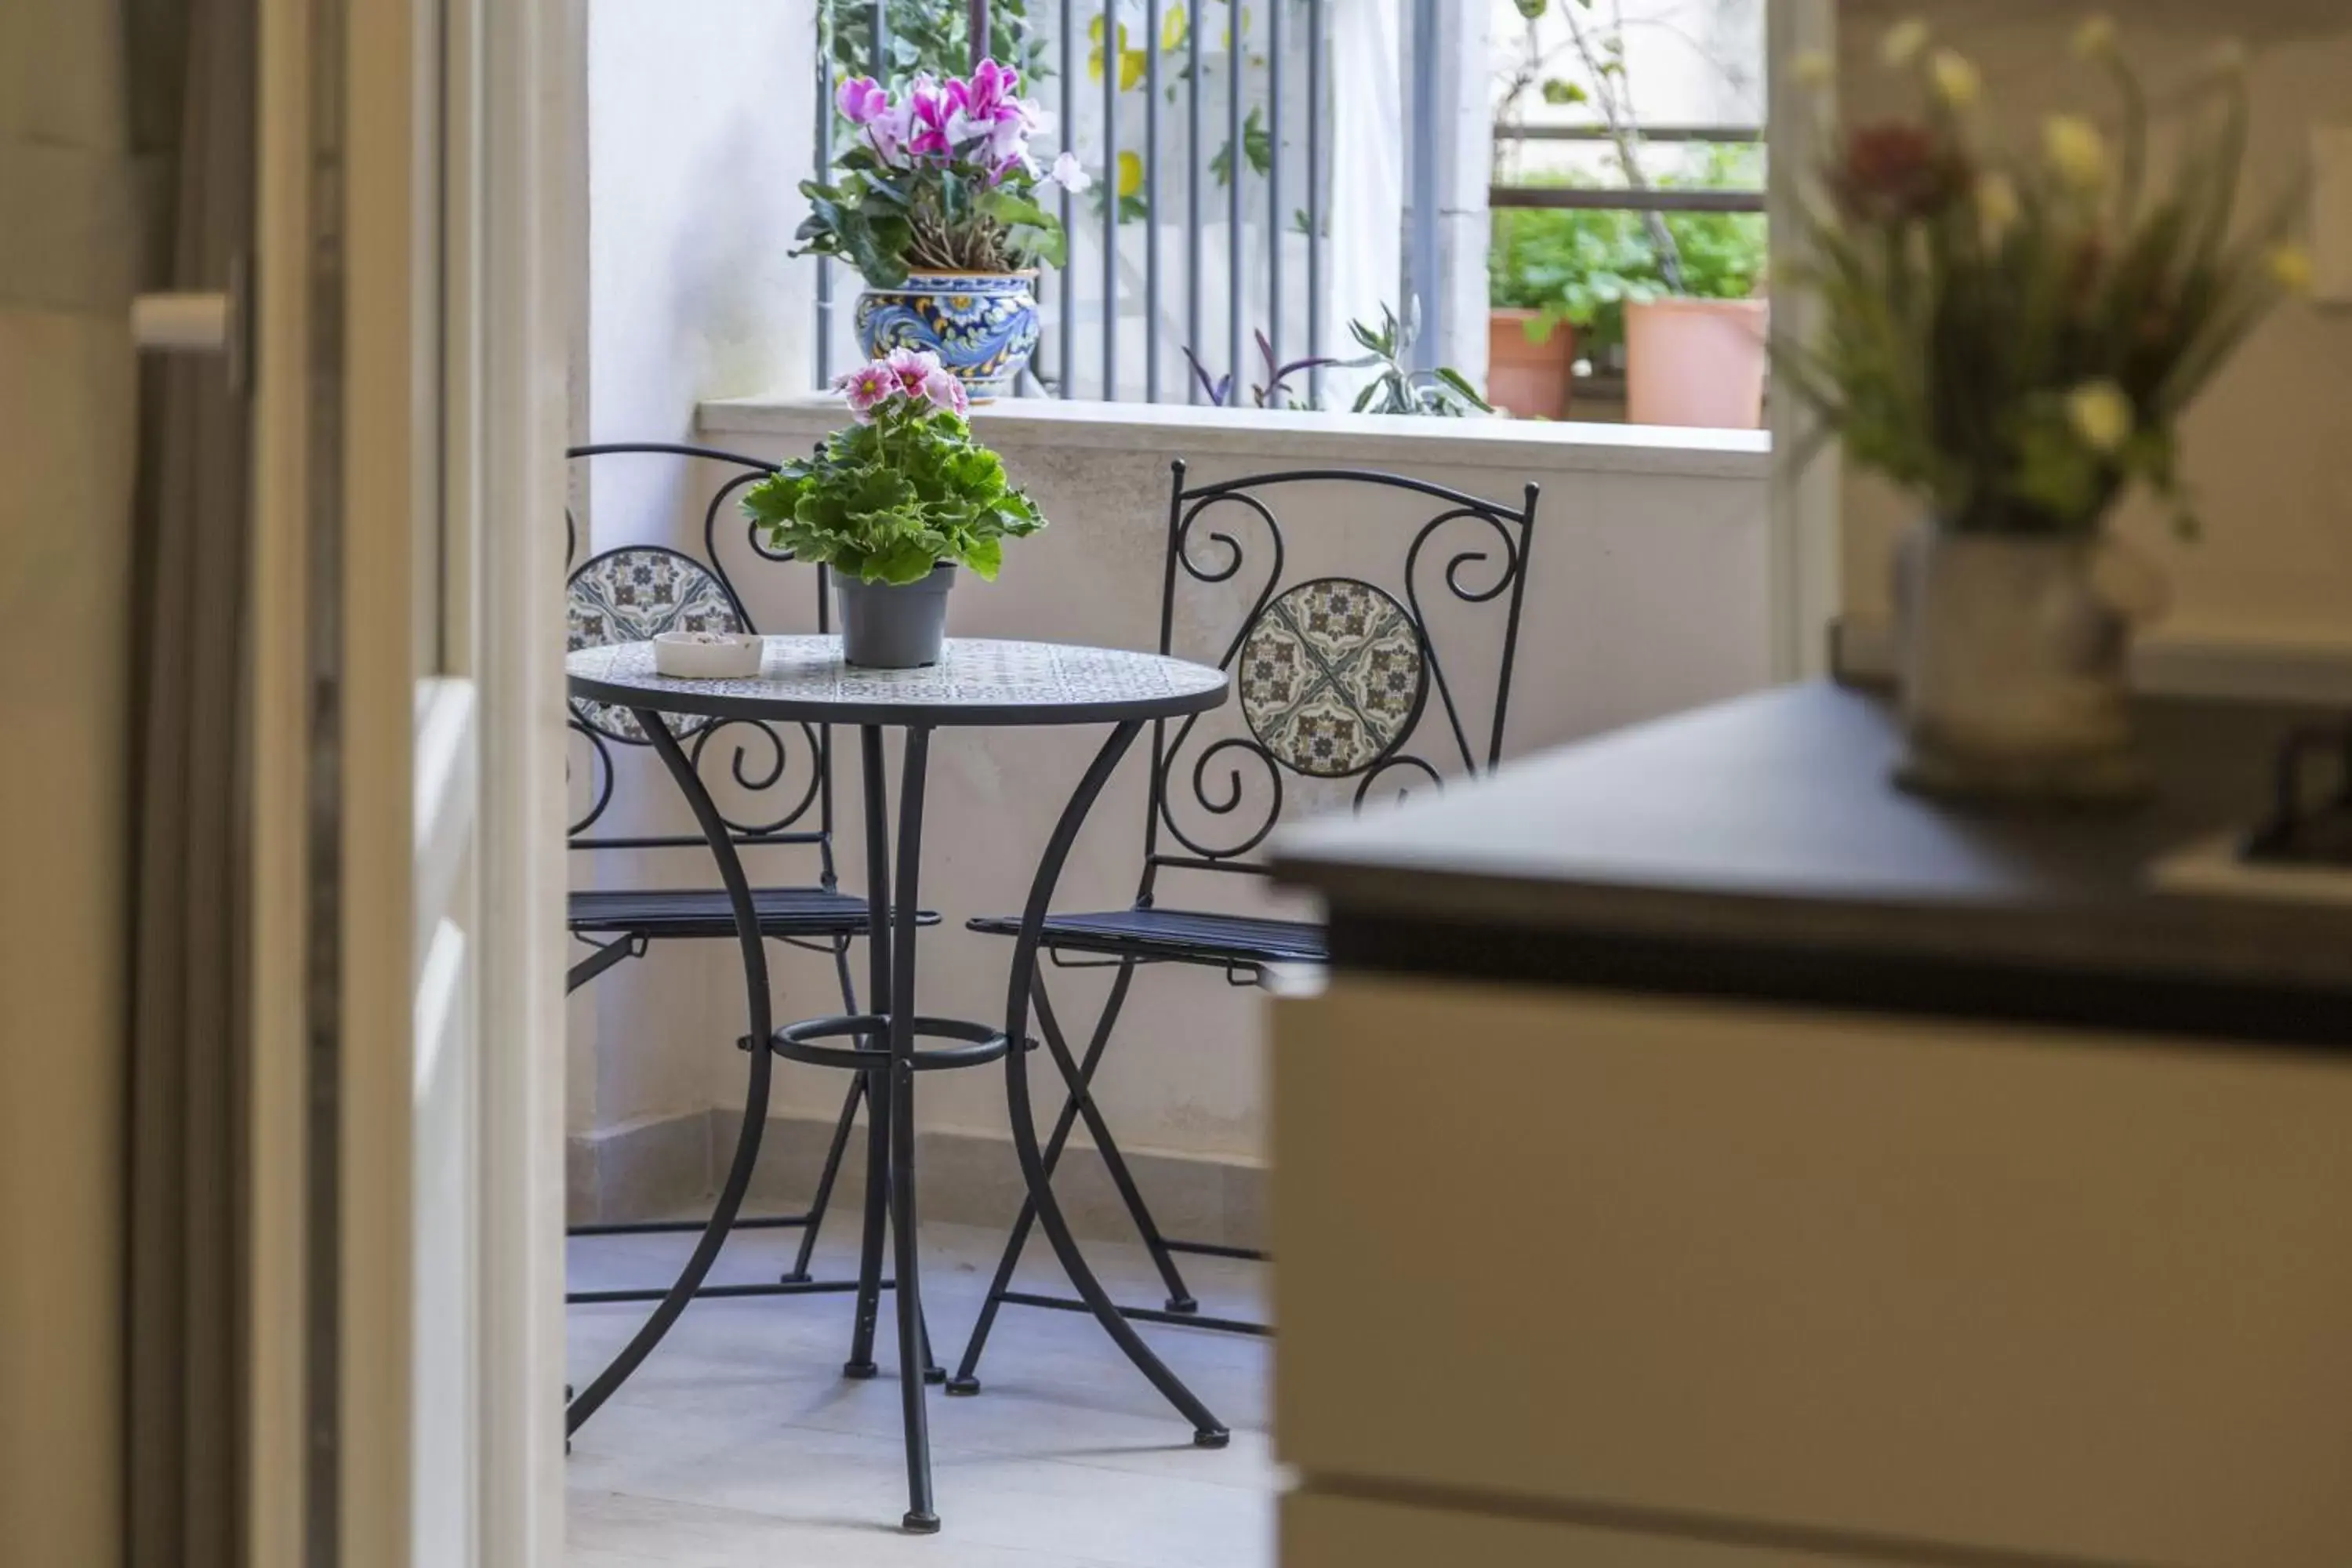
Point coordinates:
pixel 985 557
pixel 904 561
pixel 886 499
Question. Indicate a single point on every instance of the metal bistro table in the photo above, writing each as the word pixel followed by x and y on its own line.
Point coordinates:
pixel 975 683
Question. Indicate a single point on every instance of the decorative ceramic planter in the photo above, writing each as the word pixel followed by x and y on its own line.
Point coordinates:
pixel 2013 652
pixel 888 625
pixel 983 325
pixel 1696 363
pixel 1533 380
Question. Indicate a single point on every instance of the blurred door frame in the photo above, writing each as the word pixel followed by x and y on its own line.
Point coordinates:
pixel 405 1278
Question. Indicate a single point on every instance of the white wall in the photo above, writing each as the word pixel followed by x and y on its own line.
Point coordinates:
pixel 698 139
pixel 697 134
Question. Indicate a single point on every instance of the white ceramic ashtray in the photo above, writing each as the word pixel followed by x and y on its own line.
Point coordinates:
pixel 706 655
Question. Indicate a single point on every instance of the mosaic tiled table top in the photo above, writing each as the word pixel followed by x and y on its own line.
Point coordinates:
pixel 976 681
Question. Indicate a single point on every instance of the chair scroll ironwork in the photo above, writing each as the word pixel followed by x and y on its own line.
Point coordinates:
pixel 1347 688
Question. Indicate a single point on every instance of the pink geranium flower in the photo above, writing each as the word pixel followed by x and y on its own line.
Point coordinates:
pixel 945 392
pixel 867 386
pixel 911 367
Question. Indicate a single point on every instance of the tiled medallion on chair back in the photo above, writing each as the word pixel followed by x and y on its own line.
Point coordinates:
pixel 629 595
pixel 1332 677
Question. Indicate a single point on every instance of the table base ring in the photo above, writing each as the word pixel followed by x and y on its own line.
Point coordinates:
pixel 980 1043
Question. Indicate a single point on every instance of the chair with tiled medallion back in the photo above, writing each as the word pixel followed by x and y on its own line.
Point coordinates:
pixel 774 788
pixel 1349 687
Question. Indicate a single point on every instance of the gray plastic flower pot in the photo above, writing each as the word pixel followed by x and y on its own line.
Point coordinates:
pixel 887 627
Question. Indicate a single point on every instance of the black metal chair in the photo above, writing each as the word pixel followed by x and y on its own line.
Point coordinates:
pixel 629 593
pixel 1333 680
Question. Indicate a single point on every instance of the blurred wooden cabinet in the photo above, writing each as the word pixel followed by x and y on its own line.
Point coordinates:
pixel 1321 1530
pixel 1569 1277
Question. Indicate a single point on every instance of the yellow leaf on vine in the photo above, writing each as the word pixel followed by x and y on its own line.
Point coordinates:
pixel 1094 55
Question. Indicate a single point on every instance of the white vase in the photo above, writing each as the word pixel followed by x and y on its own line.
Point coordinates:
pixel 2013 651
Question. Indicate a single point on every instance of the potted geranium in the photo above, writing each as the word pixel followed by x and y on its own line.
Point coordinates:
pixel 936 207
pixel 2013 339
pixel 893 504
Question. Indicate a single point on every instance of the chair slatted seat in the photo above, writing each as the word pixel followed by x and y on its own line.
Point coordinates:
pixel 705 913
pixel 1175 936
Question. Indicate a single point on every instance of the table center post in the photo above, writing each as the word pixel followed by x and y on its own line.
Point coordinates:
pixel 914 1352
pixel 860 1363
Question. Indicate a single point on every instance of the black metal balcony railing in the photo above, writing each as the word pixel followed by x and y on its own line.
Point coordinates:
pixel 1612 198
pixel 1254 133
pixel 1229 140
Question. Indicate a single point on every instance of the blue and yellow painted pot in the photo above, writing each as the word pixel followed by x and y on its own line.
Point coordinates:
pixel 983 325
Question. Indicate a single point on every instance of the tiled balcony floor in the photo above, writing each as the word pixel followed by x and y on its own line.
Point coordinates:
pixel 738 1443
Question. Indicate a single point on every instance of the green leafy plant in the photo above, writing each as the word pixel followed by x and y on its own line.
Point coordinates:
pixel 1583 266
pixel 1258 147
pixel 901 491
pixel 2015 339
pixel 1444 393
pixel 928 36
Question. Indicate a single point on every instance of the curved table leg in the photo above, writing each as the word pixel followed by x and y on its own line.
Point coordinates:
pixel 1207 1430
pixel 914 1341
pixel 755 1105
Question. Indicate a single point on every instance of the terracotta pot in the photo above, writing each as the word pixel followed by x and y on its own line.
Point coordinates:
pixel 1695 361
pixel 1531 379
pixel 2014 656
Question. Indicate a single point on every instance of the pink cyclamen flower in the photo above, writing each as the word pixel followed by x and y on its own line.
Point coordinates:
pixel 928 111
pixel 946 392
pixel 860 99
pixel 1009 130
pixel 866 387
pixel 887 131
pixel 1070 174
pixel 911 367
pixel 992 87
